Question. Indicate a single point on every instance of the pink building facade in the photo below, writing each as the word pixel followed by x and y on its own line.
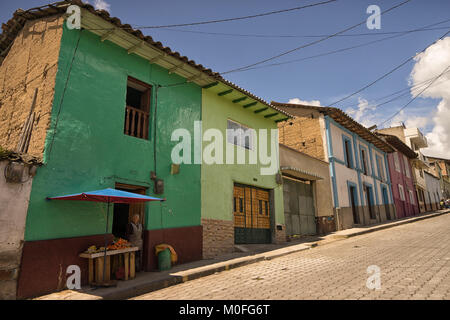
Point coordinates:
pixel 402 180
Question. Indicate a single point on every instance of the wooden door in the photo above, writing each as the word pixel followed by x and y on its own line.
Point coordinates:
pixel 251 211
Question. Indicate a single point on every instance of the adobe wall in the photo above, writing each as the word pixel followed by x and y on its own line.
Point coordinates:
pixel 31 63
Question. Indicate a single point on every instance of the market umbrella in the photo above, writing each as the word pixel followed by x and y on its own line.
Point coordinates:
pixel 108 196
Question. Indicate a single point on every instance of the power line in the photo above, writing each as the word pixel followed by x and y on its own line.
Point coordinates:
pixel 340 50
pixel 402 92
pixel 414 98
pixel 388 73
pixel 299 36
pixel 397 97
pixel 230 19
pixel 312 43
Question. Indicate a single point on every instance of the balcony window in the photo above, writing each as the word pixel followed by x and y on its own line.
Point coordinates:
pixel 137 109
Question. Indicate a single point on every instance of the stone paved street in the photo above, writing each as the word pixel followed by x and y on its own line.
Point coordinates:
pixel 414 260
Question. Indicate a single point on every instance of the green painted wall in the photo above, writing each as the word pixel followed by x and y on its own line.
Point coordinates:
pixel 218 180
pixel 89 151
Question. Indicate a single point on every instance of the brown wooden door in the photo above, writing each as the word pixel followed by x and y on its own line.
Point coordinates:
pixel 251 210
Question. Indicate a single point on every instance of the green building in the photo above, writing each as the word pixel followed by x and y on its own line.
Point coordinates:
pixel 108 101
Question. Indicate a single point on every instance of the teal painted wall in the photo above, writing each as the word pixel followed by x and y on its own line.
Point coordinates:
pixel 89 151
pixel 218 179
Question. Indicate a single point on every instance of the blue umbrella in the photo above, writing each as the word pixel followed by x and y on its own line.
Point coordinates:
pixel 108 196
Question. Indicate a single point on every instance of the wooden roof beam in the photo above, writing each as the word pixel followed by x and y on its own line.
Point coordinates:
pixel 213 84
pixel 158 57
pixel 179 66
pixel 271 115
pixel 261 110
pixel 225 92
pixel 248 105
pixel 239 99
pixel 134 48
pixel 107 35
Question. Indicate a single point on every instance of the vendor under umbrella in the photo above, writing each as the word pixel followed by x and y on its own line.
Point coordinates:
pixel 134 235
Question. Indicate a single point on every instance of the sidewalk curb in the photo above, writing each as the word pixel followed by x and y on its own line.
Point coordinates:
pixel 393 224
pixel 200 272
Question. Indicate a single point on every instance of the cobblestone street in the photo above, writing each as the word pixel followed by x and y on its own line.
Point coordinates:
pixel 414 260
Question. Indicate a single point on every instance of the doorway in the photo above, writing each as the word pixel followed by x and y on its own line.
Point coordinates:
pixel 299 209
pixel 124 212
pixel 352 191
pixel 386 203
pixel 369 201
pixel 251 211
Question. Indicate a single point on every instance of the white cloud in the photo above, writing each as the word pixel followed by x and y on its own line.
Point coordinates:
pixel 410 121
pixel 101 5
pixel 360 114
pixel 308 103
pixel 430 64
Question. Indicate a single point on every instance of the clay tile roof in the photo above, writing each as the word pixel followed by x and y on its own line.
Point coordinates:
pixel 343 119
pixel 398 144
pixel 19 157
pixel 20 17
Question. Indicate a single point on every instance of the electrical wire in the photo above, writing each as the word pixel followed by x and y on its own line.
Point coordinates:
pixel 342 49
pixel 414 98
pixel 388 73
pixel 313 42
pixel 238 18
pixel 298 36
pixel 402 93
pixel 224 20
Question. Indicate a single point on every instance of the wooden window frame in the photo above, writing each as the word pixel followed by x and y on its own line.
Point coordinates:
pixel 137 121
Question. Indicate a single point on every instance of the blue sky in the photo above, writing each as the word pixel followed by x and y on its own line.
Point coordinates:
pixel 325 78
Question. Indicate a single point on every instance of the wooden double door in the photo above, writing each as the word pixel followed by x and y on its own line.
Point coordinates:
pixel 251 210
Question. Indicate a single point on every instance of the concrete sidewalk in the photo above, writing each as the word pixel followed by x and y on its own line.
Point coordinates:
pixel 150 281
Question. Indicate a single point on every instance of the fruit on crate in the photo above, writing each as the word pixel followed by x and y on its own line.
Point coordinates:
pixel 119 244
pixel 91 249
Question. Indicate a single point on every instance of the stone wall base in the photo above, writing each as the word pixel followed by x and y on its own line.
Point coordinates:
pixel 280 234
pixel 218 237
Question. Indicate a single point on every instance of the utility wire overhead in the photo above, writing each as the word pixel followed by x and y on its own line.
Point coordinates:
pixel 299 36
pixel 414 98
pixel 402 93
pixel 400 96
pixel 238 18
pixel 342 49
pixel 389 72
pixel 312 43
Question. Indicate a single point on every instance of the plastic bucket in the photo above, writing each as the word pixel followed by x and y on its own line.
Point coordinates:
pixel 164 260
